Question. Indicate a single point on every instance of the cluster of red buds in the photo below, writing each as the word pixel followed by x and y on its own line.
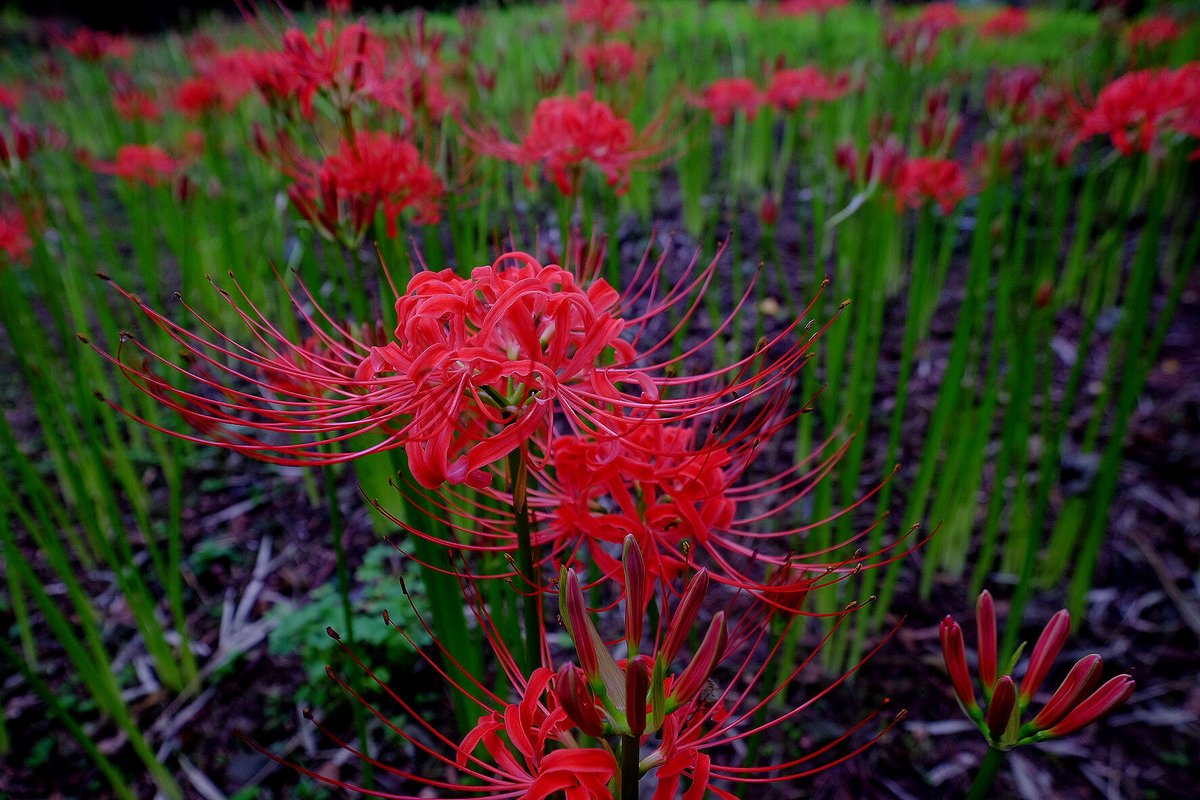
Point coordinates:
pixel 1079 701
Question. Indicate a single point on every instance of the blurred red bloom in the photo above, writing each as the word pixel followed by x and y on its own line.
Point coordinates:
pixel 881 163
pixel 89 45
pixel 726 96
pixel 15 241
pixel 790 88
pixel 568 132
pixel 374 171
pixel 1137 107
pixel 607 15
pixel 800 7
pixel 938 17
pixel 1153 32
pixel 138 163
pixel 938 129
pixel 134 104
pixel 336 62
pixel 608 62
pixel 10 97
pixel 1075 704
pixel 939 179
pixel 200 95
pixel 1006 22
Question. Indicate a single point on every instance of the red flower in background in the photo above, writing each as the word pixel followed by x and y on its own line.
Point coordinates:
pixel 1006 22
pixel 790 88
pixel 567 133
pixel 726 96
pixel 89 45
pixel 337 62
pixel 939 179
pixel 1075 704
pixel 938 17
pixel 881 163
pixel 139 163
pixel 607 15
pixel 1137 107
pixel 15 241
pixel 134 104
pixel 798 8
pixel 374 171
pixel 10 97
pixel 608 62
pixel 1153 32
pixel 200 95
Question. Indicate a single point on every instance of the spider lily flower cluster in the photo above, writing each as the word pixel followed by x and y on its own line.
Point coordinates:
pixel 663 713
pixel 1079 700
pixel 477 368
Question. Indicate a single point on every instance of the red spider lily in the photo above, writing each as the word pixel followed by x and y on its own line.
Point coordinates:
pixel 134 104
pixel 1138 106
pixel 10 97
pixel 881 164
pixel 480 366
pixel 939 17
pixel 607 15
pixel 413 79
pixel 375 170
pixel 201 95
pixel 938 130
pixel 15 241
pixel 938 179
pixel 609 62
pixel 1075 704
pixel 726 96
pixel 916 40
pixel 89 45
pixel 335 62
pixel 796 8
pixel 568 132
pixel 1004 23
pixel 1154 32
pixel 18 144
pixel 681 710
pixel 790 88
pixel 140 163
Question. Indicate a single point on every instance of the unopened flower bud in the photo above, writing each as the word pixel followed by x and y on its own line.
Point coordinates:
pixel 708 655
pixel 1001 710
pixel 685 616
pixel 575 699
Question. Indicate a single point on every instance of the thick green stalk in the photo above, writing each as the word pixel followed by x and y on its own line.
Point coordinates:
pixel 531 596
pixel 981 787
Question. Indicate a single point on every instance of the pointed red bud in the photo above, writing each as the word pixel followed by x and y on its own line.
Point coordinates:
pixel 602 671
pixel 985 620
pixel 577 701
pixel 956 662
pixel 1000 710
pixel 578 622
pixel 637 685
pixel 1079 681
pixel 684 618
pixel 1104 700
pixel 635 593
pixel 708 655
pixel 1048 646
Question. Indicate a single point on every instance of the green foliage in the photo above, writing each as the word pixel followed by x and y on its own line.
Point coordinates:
pixel 377 588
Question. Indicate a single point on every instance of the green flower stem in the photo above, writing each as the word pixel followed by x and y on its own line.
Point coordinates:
pixel 518 468
pixel 982 785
